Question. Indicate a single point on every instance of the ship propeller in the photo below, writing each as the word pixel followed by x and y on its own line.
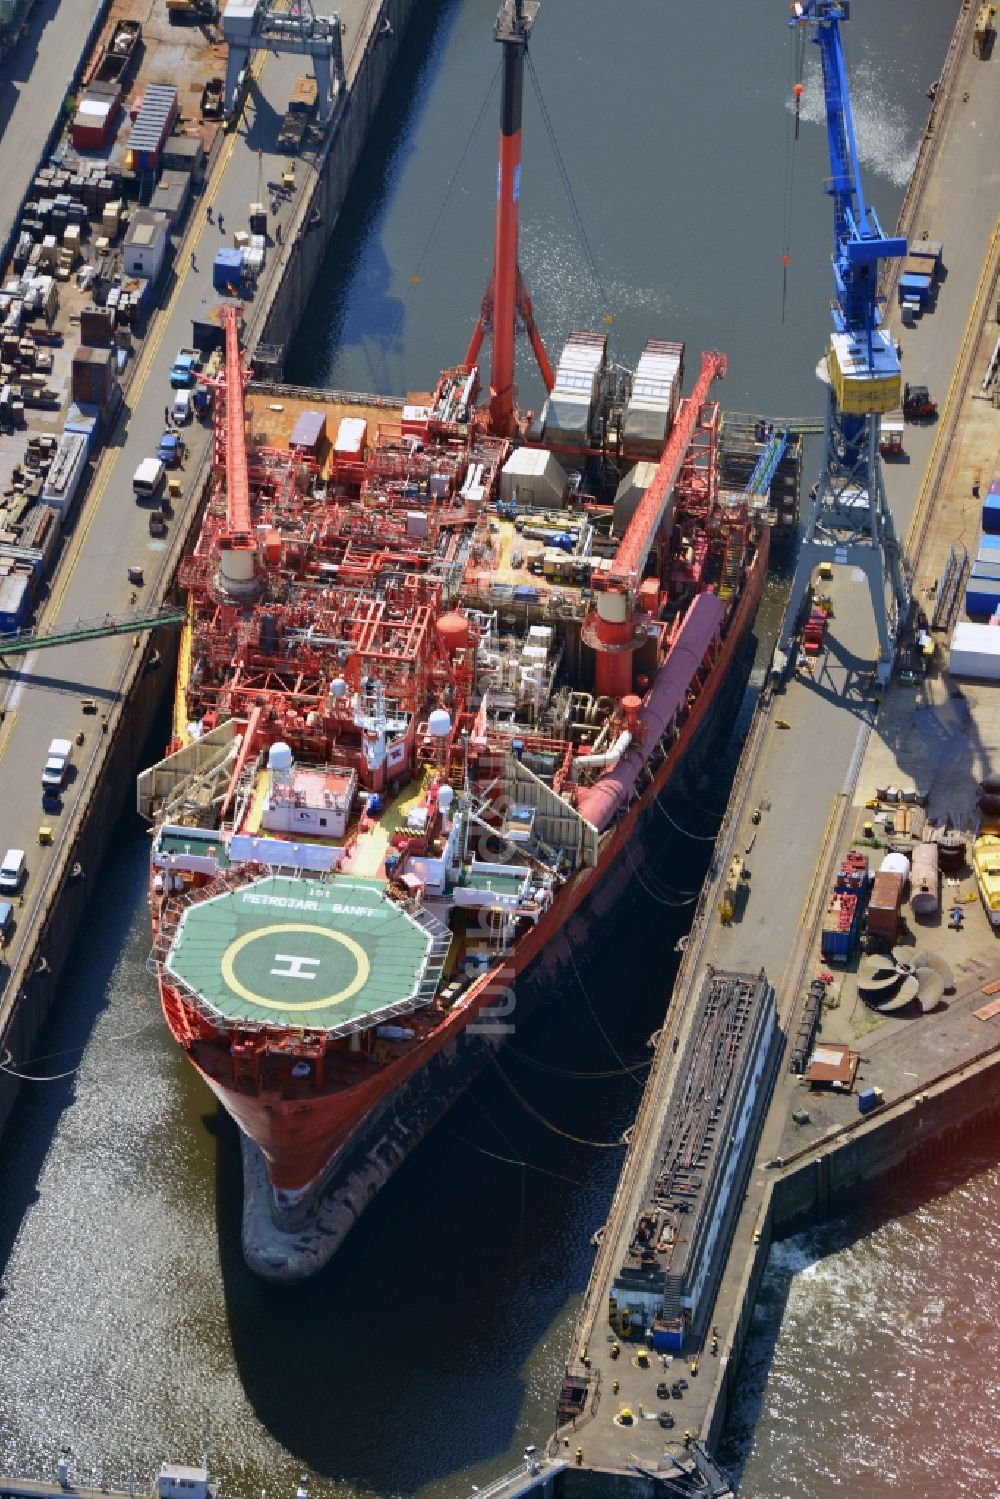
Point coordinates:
pixel 891 983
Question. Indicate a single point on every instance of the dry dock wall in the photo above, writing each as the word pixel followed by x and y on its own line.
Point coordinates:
pixel 107 765
pixel 839 1176
pixel 36 978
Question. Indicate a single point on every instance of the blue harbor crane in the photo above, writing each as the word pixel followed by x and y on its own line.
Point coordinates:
pixel 849 521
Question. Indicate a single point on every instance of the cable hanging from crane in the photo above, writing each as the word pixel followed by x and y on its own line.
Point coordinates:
pixel 415 275
pixel 796 59
pixel 574 209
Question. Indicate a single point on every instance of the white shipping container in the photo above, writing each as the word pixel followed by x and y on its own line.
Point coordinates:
pixel 975 651
pixel 64 475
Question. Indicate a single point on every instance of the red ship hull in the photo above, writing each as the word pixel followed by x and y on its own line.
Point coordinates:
pixel 304 1139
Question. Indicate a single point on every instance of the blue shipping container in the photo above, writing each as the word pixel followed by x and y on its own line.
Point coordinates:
pixel 915 289
pixel 837 946
pixel 991 514
pixel 989 543
pixel 15 602
pixel 868 1099
pixel 982 601
pixel 227 273
pixel 986 571
pixel 668 1338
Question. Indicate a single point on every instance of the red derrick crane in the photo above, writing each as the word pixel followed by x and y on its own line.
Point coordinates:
pixel 229 460
pixel 612 629
pixel 506 295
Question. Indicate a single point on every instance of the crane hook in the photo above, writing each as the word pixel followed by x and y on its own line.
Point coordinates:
pixel 798 102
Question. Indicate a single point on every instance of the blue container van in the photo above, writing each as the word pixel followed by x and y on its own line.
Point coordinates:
pixel 227 278
pixel 15 602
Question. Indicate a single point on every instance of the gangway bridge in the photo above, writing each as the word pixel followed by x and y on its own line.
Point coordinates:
pixel 764 469
pixel 123 622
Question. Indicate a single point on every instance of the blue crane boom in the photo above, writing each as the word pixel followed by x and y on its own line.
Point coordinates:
pixel 858 241
pixel 850 521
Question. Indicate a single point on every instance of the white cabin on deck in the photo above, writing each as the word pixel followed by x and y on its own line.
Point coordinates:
pixel 175 1481
pixel 311 800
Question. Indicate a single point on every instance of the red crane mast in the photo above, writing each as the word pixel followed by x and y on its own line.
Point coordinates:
pixel 634 548
pixel 612 630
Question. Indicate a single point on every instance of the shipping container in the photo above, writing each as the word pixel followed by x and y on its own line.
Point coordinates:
pixel 153 124
pixel 920 265
pixel 97 327
pixel 63 480
pixel 15 602
pixel 227 271
pixel 869 1099
pixel 915 288
pixel 884 906
pixel 991 513
pixel 93 376
pixel 982 598
pixel 184 153
pixel 931 248
pixel 309 431
pixel 96 119
pixel 170 197
pixel 975 652
pixel 840 926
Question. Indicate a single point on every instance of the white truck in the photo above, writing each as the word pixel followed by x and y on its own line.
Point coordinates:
pixel 56 766
pixel 147 481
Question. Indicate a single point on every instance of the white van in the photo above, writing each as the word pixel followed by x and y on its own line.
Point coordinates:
pixel 57 763
pixel 182 408
pixel 12 871
pixel 147 481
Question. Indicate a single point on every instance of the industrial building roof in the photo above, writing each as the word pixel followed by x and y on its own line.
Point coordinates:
pixel 159 101
pixel 333 955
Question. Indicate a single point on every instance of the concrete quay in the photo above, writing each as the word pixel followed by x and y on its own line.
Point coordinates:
pixel 814 756
pixel 43 695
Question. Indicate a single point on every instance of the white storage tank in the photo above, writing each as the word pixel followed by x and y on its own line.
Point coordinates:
pixel 895 864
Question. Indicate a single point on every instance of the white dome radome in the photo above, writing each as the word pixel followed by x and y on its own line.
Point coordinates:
pixel 338 687
pixel 439 723
pixel 279 757
pixel 445 797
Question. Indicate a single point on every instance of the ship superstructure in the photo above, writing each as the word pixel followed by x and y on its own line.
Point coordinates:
pixel 432 681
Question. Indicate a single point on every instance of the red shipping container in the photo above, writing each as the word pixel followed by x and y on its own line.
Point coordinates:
pixel 884 905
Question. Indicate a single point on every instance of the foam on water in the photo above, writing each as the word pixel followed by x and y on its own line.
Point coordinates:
pixel 872 1363
pixel 885 139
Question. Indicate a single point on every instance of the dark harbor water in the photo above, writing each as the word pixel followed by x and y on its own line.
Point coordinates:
pixel 430 1351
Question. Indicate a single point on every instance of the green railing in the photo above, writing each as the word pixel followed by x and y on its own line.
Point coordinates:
pixel 125 622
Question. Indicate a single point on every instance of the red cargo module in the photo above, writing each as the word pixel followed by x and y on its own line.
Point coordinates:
pixel 96 117
pixel 884 905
